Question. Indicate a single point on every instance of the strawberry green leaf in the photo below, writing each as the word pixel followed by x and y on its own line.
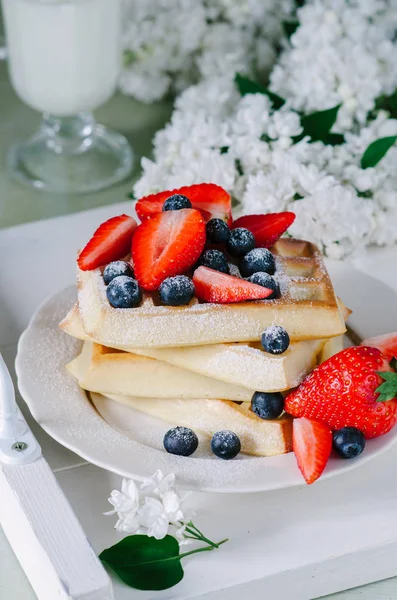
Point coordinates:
pixel 388 389
pixel 376 151
pixel 248 86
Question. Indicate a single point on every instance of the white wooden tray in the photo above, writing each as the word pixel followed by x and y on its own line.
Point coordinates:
pixel 294 545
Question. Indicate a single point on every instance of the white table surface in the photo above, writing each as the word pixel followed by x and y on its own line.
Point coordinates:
pixel 86 486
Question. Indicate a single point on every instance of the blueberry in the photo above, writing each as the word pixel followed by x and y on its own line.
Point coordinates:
pixel 259 259
pixel 348 442
pixel 267 281
pixel 123 292
pixel 217 231
pixel 225 444
pixel 117 268
pixel 176 291
pixel 214 259
pixel 267 405
pixel 275 339
pixel 180 440
pixel 176 202
pixel 240 242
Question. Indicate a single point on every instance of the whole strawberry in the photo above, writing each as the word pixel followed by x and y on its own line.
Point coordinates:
pixel 345 391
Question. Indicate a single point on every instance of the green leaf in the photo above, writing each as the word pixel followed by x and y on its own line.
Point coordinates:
pixel 387 389
pixel 318 125
pixel 247 86
pixel 239 166
pixel 290 27
pixel 388 103
pixel 376 151
pixel 224 149
pixel 334 139
pixel 145 563
pixel 128 58
pixel 131 196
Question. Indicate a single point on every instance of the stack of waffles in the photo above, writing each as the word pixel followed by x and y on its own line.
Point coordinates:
pixel 199 365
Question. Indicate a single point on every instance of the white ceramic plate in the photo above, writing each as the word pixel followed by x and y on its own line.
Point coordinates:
pixel 129 443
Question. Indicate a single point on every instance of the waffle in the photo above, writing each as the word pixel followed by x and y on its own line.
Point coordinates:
pixel 307 309
pixel 239 364
pixel 257 436
pixel 107 371
pixel 244 364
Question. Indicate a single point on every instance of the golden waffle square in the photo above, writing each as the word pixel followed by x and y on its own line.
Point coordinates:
pixel 257 436
pixel 108 371
pixel 307 309
pixel 242 365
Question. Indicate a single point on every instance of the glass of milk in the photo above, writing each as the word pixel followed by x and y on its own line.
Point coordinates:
pixel 64 59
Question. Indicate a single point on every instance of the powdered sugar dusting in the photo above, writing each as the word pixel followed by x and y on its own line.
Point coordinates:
pixel 154 325
pixel 63 410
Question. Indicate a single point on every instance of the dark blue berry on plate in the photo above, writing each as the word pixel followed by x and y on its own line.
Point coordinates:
pixel 225 444
pixel 348 442
pixel 214 259
pixel 177 202
pixel 266 281
pixel 181 441
pixel 176 291
pixel 267 405
pixel 275 339
pixel 117 268
pixel 240 242
pixel 217 231
pixel 123 292
pixel 259 259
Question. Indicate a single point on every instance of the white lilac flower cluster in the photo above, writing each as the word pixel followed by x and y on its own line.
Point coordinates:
pixel 170 44
pixel 343 52
pixel 154 508
pixel 244 145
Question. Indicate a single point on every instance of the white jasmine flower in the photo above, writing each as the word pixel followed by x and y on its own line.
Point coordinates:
pixel 153 509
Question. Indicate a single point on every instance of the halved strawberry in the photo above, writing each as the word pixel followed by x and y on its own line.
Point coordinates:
pixel 387 344
pixel 111 241
pixel 166 245
pixel 312 444
pixel 267 229
pixel 214 286
pixel 210 199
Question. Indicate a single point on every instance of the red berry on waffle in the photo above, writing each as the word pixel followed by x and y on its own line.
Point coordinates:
pixel 344 392
pixel 214 286
pixel 312 444
pixel 111 241
pixel 267 229
pixel 167 244
pixel 210 199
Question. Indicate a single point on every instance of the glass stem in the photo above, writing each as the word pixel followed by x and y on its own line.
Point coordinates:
pixel 69 135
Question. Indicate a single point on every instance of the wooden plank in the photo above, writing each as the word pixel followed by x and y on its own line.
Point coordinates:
pixel 47 537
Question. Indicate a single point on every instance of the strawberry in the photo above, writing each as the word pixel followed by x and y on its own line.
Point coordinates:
pixel 167 245
pixel 387 344
pixel 210 199
pixel 312 444
pixel 345 391
pixel 214 286
pixel 266 228
pixel 111 241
